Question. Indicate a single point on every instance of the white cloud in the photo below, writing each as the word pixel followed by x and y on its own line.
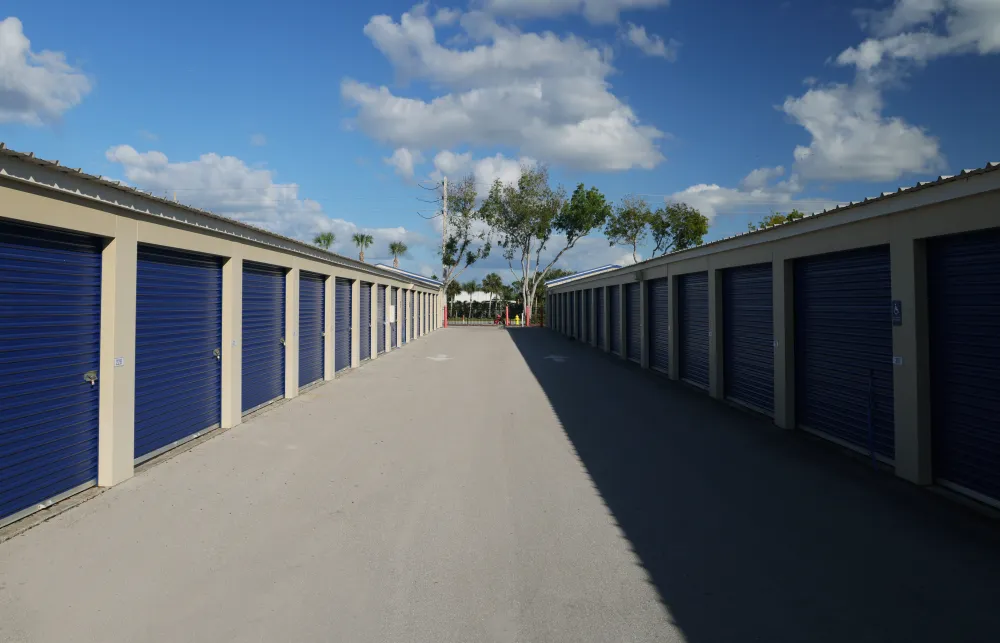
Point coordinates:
pixel 35 88
pixel 909 31
pixel 258 140
pixel 445 16
pixel 546 95
pixel 596 11
pixel 226 185
pixel 852 140
pixel 651 44
pixel 755 196
pixel 485 170
pixel 403 160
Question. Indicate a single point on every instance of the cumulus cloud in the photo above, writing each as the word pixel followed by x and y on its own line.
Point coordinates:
pixel 756 195
pixel 595 11
pixel 227 186
pixel 651 44
pixel 35 87
pixel 852 139
pixel 404 160
pixel 541 93
pixel 485 170
pixel 922 30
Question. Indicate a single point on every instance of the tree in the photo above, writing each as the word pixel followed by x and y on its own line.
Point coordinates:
pixel 397 249
pixel 676 227
pixel 465 243
pixel 524 216
pixel 775 218
pixel 324 240
pixel 493 286
pixel 627 226
pixel 470 287
pixel 362 241
pixel 454 289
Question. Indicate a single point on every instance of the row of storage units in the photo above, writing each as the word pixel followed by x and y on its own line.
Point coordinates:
pixel 50 349
pixel 851 321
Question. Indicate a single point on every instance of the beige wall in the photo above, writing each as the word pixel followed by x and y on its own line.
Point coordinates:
pixel 46 200
pixel 903 223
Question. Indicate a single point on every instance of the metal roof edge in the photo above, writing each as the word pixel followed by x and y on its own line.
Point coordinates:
pixel 302 247
pixel 412 275
pixel 580 275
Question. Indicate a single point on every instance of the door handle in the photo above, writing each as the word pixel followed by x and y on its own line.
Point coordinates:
pixel 91 377
pixel 282 340
pixel 217 353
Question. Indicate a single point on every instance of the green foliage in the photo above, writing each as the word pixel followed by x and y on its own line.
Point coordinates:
pixel 464 245
pixel 629 224
pixel 525 216
pixel 362 241
pixel 324 240
pixel 676 227
pixel 775 219
pixel 397 249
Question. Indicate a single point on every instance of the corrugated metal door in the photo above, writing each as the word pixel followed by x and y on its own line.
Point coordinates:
pixel 312 321
pixel 50 332
pixel 403 303
pixel 393 324
pixel 599 304
pixel 614 310
pixel 365 321
pixel 588 323
pixel 178 348
pixel 658 309
pixel 692 339
pixel 748 336
pixel 963 274
pixel 342 325
pixel 380 320
pixel 263 334
pixel 843 347
pixel 633 339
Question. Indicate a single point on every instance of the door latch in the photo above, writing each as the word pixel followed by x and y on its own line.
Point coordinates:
pixel 282 340
pixel 90 376
pixel 217 353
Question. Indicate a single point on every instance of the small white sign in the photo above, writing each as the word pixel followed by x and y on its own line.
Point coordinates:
pixel 897 361
pixel 119 361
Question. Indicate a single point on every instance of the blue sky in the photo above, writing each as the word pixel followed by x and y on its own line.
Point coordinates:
pixel 309 116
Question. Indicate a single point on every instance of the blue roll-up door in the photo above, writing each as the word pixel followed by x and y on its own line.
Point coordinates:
pixel 393 324
pixel 843 347
pixel 342 325
pixel 633 338
pixel 380 320
pixel 963 275
pixel 599 304
pixel 365 320
pixel 50 333
pixel 312 322
pixel 403 317
pixel 692 339
pixel 178 348
pixel 658 312
pixel 748 336
pixel 614 310
pixel 588 324
pixel 263 335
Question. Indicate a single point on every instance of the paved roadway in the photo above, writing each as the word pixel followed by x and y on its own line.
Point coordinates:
pixel 497 495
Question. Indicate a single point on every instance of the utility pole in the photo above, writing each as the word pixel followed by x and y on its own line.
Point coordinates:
pixel 444 242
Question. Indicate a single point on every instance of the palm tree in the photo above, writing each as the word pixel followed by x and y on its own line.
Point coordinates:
pixel 324 240
pixel 492 284
pixel 470 287
pixel 454 290
pixel 362 241
pixel 397 249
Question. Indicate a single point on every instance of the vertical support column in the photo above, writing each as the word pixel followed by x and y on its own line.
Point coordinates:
pixel 606 293
pixel 386 326
pixel 673 329
pixel 399 317
pixel 292 333
pixel 623 322
pixel 716 363
pixel 330 328
pixel 911 343
pixel 116 408
pixel 573 331
pixel 373 320
pixel 232 344
pixel 355 323
pixel 783 302
pixel 594 294
pixel 643 323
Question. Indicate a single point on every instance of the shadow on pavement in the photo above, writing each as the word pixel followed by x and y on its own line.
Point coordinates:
pixel 750 533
